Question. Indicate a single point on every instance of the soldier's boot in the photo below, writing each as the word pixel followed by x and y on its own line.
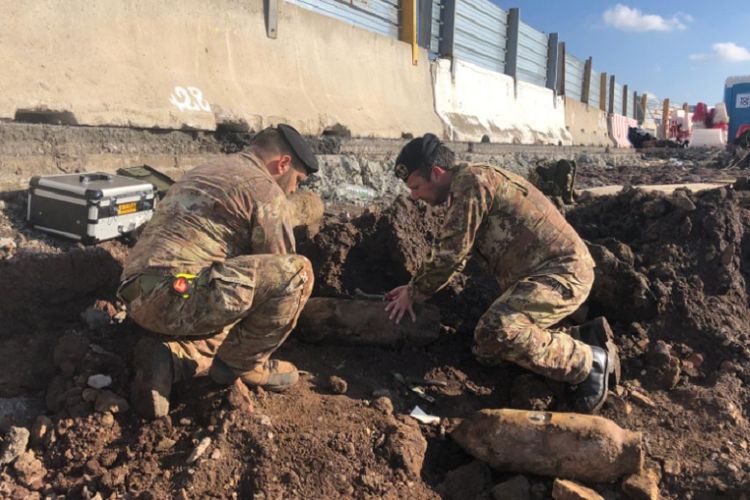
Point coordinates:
pixel 273 375
pixel 152 383
pixel 597 332
pixel 590 395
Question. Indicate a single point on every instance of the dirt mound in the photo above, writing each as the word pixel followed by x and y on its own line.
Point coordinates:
pixel 672 276
pixel 666 171
pixel 679 264
pixel 381 249
pixel 375 251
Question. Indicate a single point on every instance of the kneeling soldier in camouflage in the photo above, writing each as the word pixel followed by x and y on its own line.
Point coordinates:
pixel 542 265
pixel 214 270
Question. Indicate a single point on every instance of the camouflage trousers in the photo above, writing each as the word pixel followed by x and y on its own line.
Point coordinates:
pixel 516 327
pixel 239 311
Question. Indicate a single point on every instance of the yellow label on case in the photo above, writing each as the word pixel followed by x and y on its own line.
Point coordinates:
pixel 127 208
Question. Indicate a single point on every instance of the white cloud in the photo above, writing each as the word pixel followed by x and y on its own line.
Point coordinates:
pixel 626 18
pixel 725 52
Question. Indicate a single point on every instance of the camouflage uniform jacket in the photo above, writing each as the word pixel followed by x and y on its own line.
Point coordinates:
pixel 510 226
pixel 217 211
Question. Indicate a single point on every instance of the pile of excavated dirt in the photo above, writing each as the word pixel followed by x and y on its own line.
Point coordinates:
pixel 661 172
pixel 671 277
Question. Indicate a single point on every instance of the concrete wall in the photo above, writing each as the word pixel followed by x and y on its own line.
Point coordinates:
pixel 474 102
pixel 196 63
pixel 618 129
pixel 587 124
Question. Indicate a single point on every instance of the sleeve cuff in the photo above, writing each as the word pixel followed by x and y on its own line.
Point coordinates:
pixel 415 294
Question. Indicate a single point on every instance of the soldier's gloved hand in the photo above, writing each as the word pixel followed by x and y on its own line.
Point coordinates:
pixel 400 303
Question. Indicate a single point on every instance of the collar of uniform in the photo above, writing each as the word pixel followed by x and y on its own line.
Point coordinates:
pixel 457 169
pixel 255 161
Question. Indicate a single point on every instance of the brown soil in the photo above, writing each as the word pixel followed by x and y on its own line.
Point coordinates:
pixel 667 171
pixel 672 278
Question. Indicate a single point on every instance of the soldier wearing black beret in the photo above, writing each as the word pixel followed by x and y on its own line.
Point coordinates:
pixel 541 264
pixel 215 274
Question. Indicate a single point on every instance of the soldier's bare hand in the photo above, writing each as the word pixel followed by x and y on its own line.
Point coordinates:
pixel 394 293
pixel 400 303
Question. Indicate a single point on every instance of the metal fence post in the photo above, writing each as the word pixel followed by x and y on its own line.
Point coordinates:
pixel 553 61
pixel 603 92
pixel 644 107
pixel 586 91
pixel 408 27
pixel 665 119
pixel 272 17
pixel 611 94
pixel 448 28
pixel 624 100
pixel 561 64
pixel 635 105
pixel 511 48
pixel 425 23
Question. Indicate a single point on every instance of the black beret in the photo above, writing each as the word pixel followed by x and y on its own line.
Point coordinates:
pixel 417 152
pixel 301 148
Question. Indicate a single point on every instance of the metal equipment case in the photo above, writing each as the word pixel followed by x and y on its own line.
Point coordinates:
pixel 89 207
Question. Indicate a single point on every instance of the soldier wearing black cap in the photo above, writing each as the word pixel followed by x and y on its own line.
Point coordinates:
pixel 542 265
pixel 215 274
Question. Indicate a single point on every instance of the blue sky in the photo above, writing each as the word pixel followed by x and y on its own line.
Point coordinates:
pixel 683 50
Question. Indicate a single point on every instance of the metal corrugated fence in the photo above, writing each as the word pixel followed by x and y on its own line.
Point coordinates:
pixel 437 25
pixel 595 89
pixel 480 34
pixel 380 16
pixel 573 77
pixel 618 99
pixel 532 55
pixel 479 37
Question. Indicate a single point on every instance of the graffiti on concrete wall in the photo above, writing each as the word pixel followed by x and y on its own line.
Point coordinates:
pixel 189 99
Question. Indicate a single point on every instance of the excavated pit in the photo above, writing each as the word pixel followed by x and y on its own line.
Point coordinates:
pixel 672 276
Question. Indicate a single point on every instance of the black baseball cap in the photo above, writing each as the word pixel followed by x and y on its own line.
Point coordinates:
pixel 416 153
pixel 299 146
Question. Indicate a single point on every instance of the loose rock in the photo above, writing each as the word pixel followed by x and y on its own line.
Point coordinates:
pixel 337 385
pixel 240 398
pixel 89 395
pixel 643 486
pixel 406 446
pixel 30 470
pixel 468 481
pixel 14 444
pixel 41 427
pixel 563 489
pixel 383 404
pixel 517 488
pixel 199 450
pixel 7 248
pixel 682 201
pixel 99 381
pixel 165 444
pixel 111 402
pixel 69 351
pixel 642 399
